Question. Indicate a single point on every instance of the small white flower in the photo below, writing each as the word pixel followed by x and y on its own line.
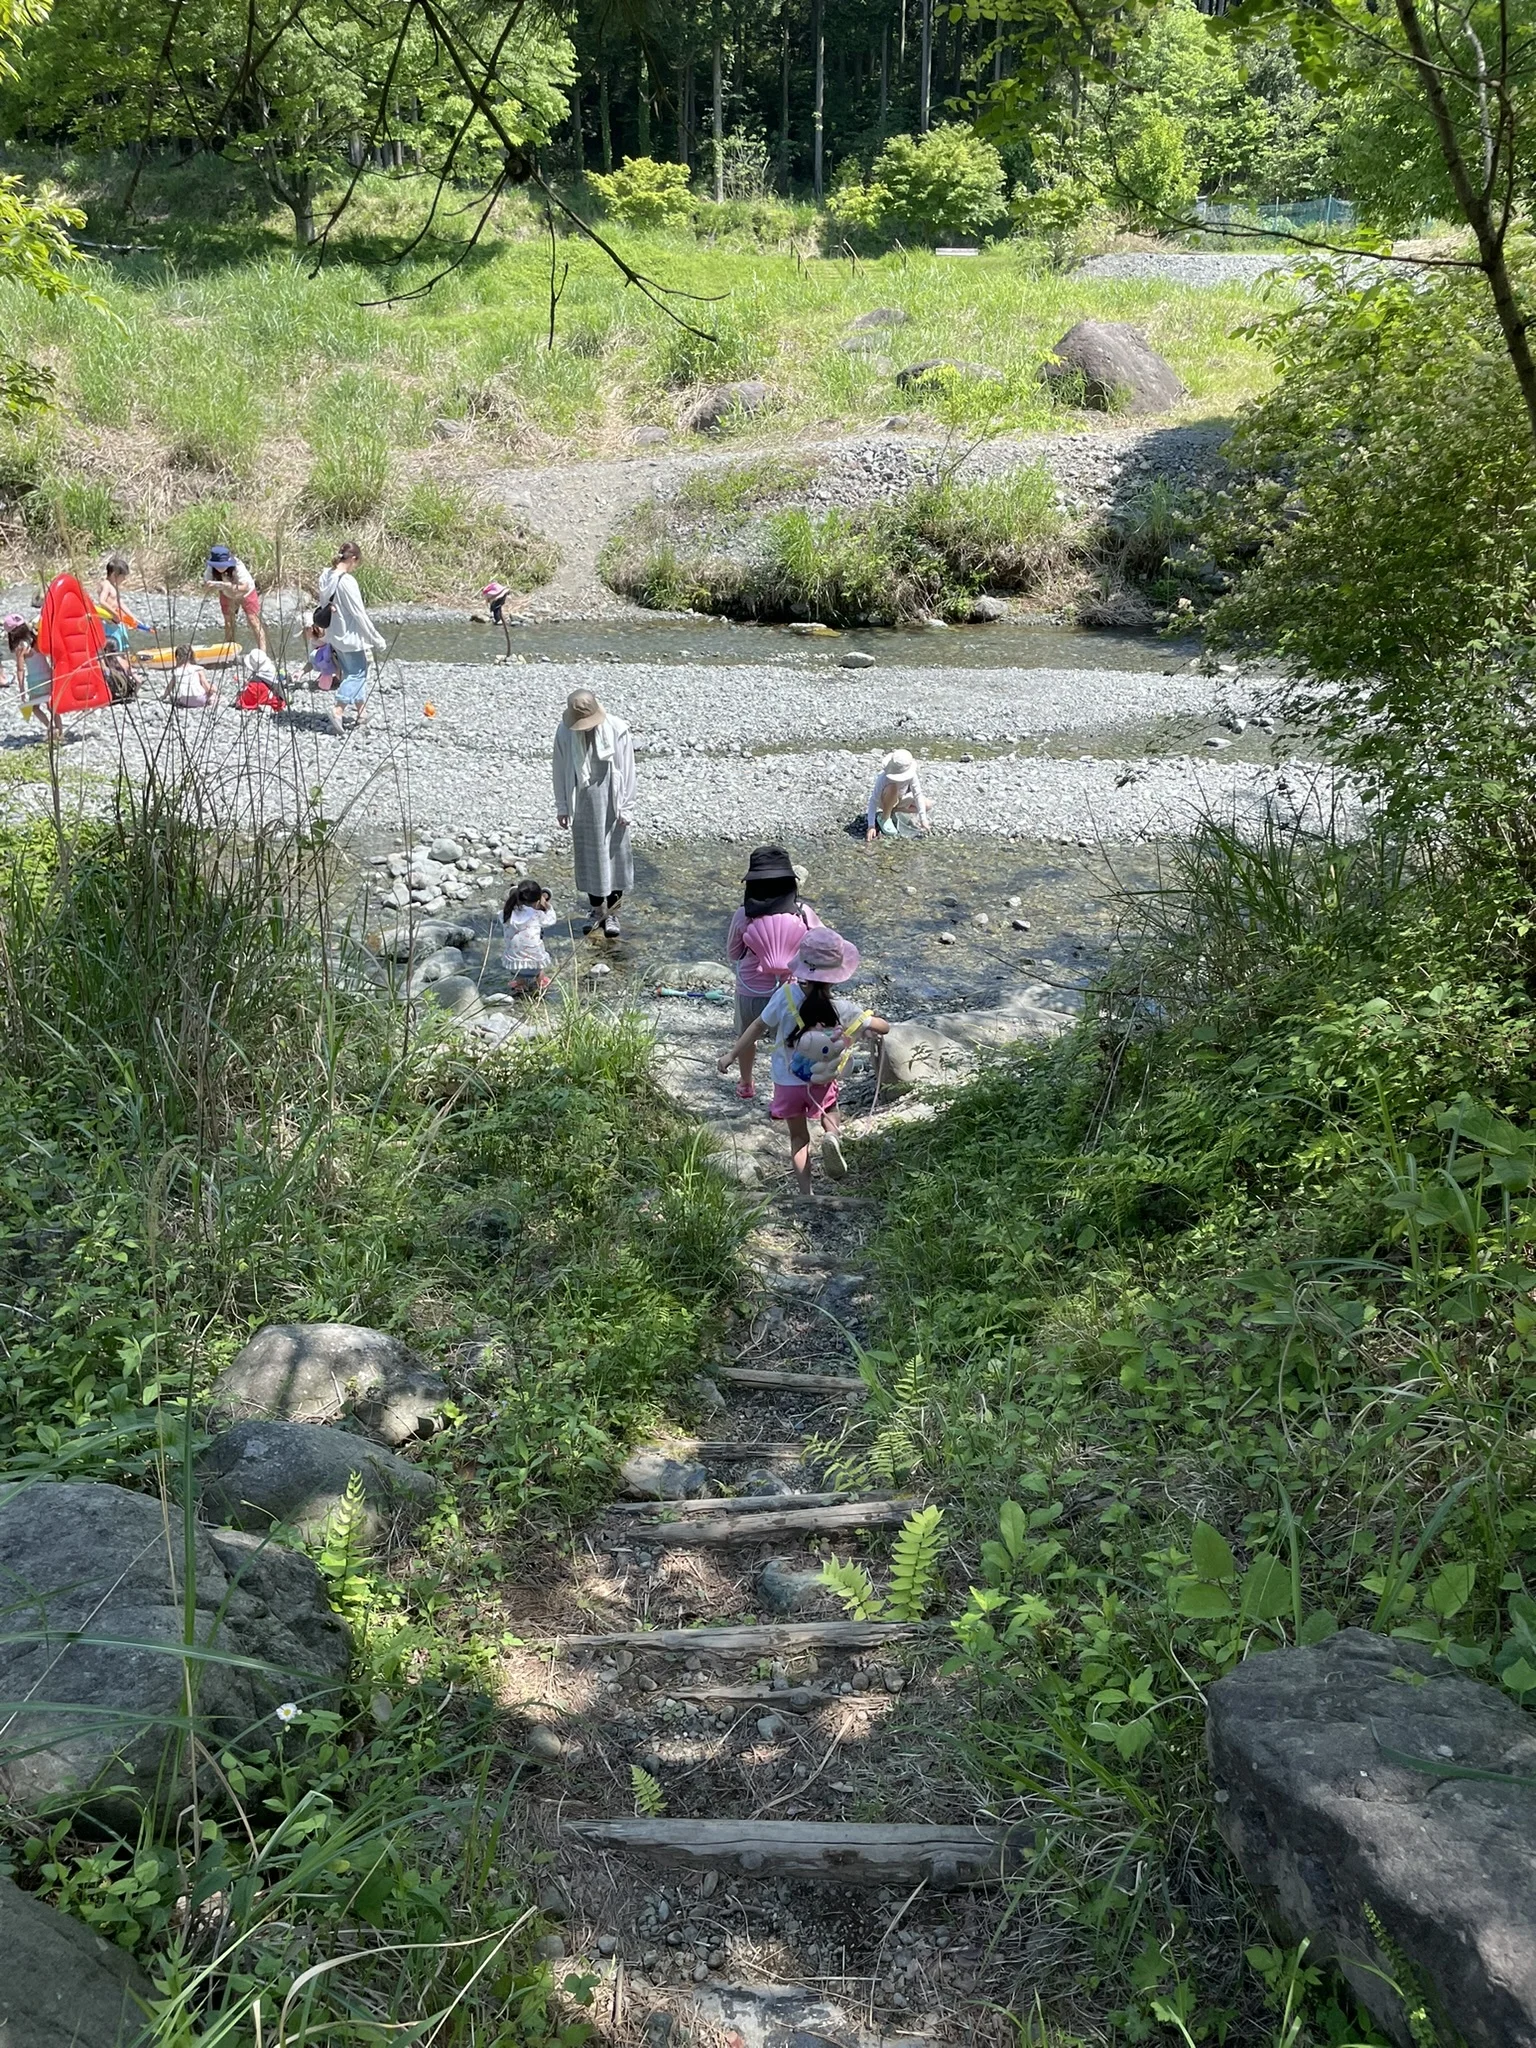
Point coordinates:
pixel 287 1712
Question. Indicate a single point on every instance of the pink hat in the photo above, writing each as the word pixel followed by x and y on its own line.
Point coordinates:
pixel 494 590
pixel 825 955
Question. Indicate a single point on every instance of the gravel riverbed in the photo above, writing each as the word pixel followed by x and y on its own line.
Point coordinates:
pixel 736 752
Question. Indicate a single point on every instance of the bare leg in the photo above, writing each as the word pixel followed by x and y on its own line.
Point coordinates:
pixel 259 630
pixel 746 1062
pixel 800 1150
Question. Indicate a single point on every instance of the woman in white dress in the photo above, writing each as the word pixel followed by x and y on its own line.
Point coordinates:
pixel 594 768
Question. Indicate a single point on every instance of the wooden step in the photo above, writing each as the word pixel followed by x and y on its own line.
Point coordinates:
pixel 757 1528
pixel 739 1504
pixel 793 1382
pixel 844 1852
pixel 799 1699
pixel 760 1639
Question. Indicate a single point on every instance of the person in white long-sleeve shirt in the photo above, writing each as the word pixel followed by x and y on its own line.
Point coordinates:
pixel 352 634
pixel 897 804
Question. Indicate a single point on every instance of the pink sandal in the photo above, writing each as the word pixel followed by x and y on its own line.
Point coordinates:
pixel 744 1093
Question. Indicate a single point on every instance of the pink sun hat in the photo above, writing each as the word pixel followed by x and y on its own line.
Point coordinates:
pixel 495 590
pixel 825 955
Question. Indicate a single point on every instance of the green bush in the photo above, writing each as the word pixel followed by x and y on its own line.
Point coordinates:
pixel 75 513
pixel 946 186
pixel 720 344
pixel 643 193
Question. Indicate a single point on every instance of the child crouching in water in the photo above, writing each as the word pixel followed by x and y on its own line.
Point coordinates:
pixel 814 1034
pixel 525 917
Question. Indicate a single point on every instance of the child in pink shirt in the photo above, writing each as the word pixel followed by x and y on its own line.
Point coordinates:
pixel 762 940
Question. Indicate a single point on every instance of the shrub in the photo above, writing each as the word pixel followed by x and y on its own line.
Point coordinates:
pixel 938 187
pixel 75 513
pixel 192 531
pixel 732 345
pixel 643 193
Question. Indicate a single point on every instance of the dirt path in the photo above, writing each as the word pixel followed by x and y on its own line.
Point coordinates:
pixel 781 1724
pixel 579 504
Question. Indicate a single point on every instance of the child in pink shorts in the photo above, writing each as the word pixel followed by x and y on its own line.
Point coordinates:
pixel 814 1033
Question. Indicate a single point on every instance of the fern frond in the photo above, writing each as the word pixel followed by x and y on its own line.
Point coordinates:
pixel 915 1564
pixel 344 1550
pixel 853 1586
pixel 913 1383
pixel 650 1800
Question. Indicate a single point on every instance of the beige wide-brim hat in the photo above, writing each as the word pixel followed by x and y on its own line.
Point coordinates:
pixel 899 767
pixel 583 713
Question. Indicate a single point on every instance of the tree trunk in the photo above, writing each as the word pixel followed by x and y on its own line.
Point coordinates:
pixel 604 124
pixel 901 47
pixel 682 110
pixel 818 32
pixel 925 69
pixel 576 137
pixel 1475 201
pixel 784 99
pixel 643 109
pixel 717 112
pixel 885 72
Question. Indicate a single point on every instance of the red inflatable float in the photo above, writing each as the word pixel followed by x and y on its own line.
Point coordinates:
pixel 72 636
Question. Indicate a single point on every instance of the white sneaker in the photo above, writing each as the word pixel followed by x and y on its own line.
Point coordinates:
pixel 834 1165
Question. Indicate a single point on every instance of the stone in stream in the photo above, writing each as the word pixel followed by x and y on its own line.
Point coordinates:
pixel 295 1473
pixel 697 975
pixel 985 611
pixel 318 1372
pixel 457 995
pixel 93 1575
pixel 653 1473
pixel 436 967
pixel 445 852
pixel 425 937
pixel 1325 1821
pixel 1115 367
pixel 66 1986
pixel 855 658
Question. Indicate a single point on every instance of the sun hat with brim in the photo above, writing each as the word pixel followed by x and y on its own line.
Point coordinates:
pixel 583 713
pixel 221 558
pixel 899 767
pixel 824 955
pixel 770 864
pixel 495 590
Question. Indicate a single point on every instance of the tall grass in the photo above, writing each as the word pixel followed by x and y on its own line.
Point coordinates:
pixel 205 1126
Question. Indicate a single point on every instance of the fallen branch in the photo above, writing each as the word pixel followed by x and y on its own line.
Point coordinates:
pixel 744 1504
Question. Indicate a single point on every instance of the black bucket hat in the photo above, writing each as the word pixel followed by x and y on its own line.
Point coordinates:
pixel 769 864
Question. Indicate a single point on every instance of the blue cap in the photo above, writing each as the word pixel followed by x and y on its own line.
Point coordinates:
pixel 221 558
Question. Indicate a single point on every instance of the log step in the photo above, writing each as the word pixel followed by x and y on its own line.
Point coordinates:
pixel 742 1504
pixel 842 1852
pixel 793 1382
pixel 758 1640
pixel 799 1699
pixel 756 1528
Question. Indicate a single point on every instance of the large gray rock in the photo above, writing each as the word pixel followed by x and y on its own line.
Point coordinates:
pixel 295 1473
pixel 63 1984
pixel 420 940
pixel 878 317
pixel 784 1587
pixel 1116 367
pixel 436 967
pixel 1324 1822
pixel 932 371
pixel 83 1560
pixel 654 1472
pixel 943 1047
pixel 318 1372
pixel 699 975
pixel 457 995
pixel 725 402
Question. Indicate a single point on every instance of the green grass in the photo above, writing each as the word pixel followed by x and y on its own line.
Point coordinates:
pixel 928 553
pixel 204 1130
pixel 225 358
pixel 1249 1252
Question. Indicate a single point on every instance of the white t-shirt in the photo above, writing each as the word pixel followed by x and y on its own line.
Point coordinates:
pixel 189 687
pixel 779 1018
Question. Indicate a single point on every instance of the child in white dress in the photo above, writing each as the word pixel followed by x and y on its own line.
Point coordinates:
pixel 525 917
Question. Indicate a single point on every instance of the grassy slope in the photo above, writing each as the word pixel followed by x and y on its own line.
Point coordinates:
pixel 223 372
pixel 1212 1270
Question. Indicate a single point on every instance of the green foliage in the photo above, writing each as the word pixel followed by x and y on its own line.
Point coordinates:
pixel 1222 1304
pixel 650 1799
pixel 945 186
pixel 208 522
pixel 1383 539
pixel 931 551
pixel 344 1549
pixel 643 193
pixel 914 1576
